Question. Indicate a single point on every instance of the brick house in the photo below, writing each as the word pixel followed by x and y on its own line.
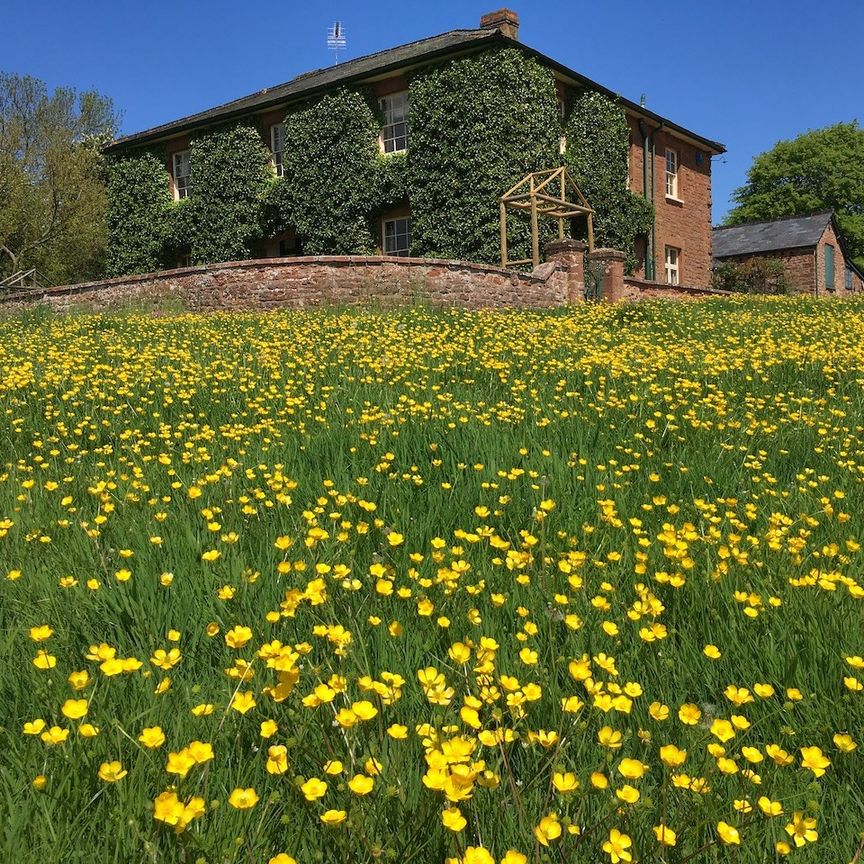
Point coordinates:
pixel 811 248
pixel 668 164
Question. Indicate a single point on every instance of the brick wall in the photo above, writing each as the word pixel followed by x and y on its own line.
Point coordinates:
pixel 300 282
pixel 644 289
pixel 800 266
pixel 685 223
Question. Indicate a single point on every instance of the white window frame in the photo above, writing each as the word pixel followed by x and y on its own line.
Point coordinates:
pixel 394 110
pixel 673 265
pixel 401 239
pixel 672 165
pixel 181 181
pixel 277 148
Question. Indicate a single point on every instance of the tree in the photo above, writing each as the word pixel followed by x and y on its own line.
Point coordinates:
pixel 52 183
pixel 819 170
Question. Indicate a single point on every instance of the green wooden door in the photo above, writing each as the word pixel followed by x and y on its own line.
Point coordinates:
pixel 829 266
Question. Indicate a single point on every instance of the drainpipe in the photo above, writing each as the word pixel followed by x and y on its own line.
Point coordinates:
pixel 649 252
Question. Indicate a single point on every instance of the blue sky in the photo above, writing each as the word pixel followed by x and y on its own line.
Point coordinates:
pixel 744 72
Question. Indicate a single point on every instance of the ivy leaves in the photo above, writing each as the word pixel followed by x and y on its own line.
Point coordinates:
pixel 229 177
pixel 598 143
pixel 138 209
pixel 478 125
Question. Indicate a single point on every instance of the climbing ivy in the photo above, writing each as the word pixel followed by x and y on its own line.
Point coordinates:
pixel 478 125
pixel 598 145
pixel 329 188
pixel 138 206
pixel 229 177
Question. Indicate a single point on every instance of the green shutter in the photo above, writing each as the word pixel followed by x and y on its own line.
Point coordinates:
pixel 829 266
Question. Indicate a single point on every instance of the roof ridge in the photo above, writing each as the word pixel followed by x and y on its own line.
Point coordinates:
pixel 829 212
pixel 477 30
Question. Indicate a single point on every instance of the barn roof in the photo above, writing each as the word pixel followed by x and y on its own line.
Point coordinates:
pixel 792 233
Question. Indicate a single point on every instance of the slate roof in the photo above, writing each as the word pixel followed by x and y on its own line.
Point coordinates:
pixel 308 83
pixel 792 233
pixel 363 68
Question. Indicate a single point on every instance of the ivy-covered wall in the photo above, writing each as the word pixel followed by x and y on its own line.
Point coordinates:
pixel 598 144
pixel 229 175
pixel 335 179
pixel 477 126
pixel 138 205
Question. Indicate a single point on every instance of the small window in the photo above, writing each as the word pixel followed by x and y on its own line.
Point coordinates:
pixel 277 147
pixel 671 173
pixel 397 237
pixel 848 278
pixel 673 259
pixel 829 266
pixel 394 134
pixel 181 175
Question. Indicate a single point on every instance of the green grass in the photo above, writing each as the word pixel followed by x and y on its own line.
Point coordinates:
pixel 704 459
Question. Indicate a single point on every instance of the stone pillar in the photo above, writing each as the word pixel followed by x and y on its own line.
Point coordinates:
pixel 569 256
pixel 612 263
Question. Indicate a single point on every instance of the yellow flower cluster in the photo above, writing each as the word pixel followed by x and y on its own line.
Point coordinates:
pixel 465 587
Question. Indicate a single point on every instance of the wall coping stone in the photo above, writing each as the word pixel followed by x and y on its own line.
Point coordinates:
pixel 665 286
pixel 608 255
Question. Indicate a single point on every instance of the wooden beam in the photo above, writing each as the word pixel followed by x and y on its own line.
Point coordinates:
pixel 503 228
pixel 535 232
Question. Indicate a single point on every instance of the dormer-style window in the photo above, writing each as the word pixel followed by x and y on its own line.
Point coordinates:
pixel 394 133
pixel 181 175
pixel 277 147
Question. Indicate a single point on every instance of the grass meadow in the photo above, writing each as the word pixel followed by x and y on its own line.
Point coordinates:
pixel 421 586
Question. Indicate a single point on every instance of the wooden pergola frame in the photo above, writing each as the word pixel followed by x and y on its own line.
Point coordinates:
pixel 533 193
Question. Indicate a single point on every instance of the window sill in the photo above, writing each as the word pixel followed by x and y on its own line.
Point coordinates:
pixel 393 152
pixel 673 200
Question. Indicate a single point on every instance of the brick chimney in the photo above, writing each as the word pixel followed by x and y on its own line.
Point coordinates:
pixel 504 20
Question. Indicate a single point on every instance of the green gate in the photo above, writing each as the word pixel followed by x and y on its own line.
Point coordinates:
pixel 594 280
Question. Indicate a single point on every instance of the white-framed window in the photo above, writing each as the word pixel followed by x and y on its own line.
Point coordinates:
pixel 394 133
pixel 673 263
pixel 277 147
pixel 397 236
pixel 671 173
pixel 181 175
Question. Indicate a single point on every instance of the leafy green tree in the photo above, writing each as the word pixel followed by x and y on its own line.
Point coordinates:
pixel 52 178
pixel 819 170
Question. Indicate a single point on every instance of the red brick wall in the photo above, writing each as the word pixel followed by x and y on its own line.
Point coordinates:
pixel 642 289
pixel 799 263
pixel 301 282
pixel 686 223
pixel 830 237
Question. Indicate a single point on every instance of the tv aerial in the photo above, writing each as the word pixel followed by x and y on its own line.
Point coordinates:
pixel 336 41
